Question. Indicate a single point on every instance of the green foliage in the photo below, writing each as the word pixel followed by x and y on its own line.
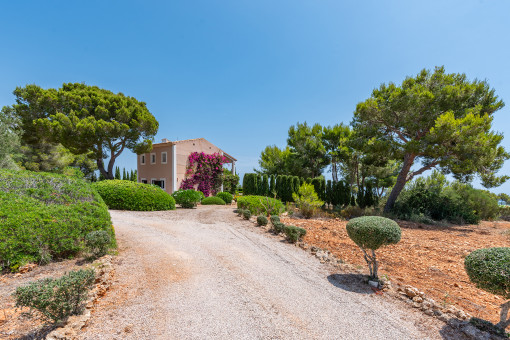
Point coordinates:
pixel 250 186
pixel 262 220
pixel 188 198
pixel 212 200
pixel 230 181
pixel 246 214
pixel 260 204
pixel 275 161
pixel 351 211
pixel 9 138
pixel 117 172
pixel 127 195
pixel 86 120
pixel 272 185
pixel 226 196
pixel 264 185
pixel 98 242
pixel 46 216
pixel 278 227
pixel 57 299
pixel 436 198
pixel 274 219
pixel 373 232
pixel 453 133
pixel 489 269
pixel 307 150
pixel 294 233
pixel 307 200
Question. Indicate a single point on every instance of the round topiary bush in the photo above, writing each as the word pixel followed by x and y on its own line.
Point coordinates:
pixel 46 216
pixel 489 269
pixel 371 233
pixel 226 196
pixel 262 220
pixel 128 195
pixel 188 198
pixel 211 200
pixel 247 214
pixel 294 233
pixel 274 219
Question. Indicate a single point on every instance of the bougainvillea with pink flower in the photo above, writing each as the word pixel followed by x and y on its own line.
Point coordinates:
pixel 204 170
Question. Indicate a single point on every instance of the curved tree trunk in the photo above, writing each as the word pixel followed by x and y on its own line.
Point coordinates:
pixel 402 179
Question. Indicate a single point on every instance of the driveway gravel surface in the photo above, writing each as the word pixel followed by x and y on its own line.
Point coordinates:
pixel 206 274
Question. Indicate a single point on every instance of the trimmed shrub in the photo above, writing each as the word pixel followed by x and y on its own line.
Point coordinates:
pixel 489 269
pixel 46 216
pixel 226 196
pixel 371 233
pixel 127 195
pixel 294 233
pixel 240 212
pixel 246 214
pixel 212 200
pixel 262 220
pixel 188 198
pixel 307 200
pixel 98 242
pixel 57 299
pixel 250 186
pixel 278 227
pixel 274 219
pixel 260 204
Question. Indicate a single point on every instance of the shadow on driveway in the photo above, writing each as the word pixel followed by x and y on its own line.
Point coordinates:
pixel 356 283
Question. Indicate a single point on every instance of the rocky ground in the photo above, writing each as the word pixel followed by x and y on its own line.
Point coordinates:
pixel 430 258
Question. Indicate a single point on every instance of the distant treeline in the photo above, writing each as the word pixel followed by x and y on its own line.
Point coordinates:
pixel 283 186
pixel 129 175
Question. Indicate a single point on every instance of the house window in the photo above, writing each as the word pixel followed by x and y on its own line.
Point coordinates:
pixel 159 182
pixel 163 158
pixel 153 158
pixel 144 180
pixel 142 159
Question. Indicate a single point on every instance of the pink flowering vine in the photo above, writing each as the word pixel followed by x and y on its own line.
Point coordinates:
pixel 203 170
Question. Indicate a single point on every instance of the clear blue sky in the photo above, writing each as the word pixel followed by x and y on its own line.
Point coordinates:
pixel 239 73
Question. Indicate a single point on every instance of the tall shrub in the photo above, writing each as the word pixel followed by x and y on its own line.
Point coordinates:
pixel 272 186
pixel 250 184
pixel 264 191
pixel 307 200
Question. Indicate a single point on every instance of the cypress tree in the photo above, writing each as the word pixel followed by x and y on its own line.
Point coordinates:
pixel 117 172
pixel 329 192
pixel 277 186
pixel 272 186
pixel 295 184
pixel 353 201
pixel 135 176
pixel 124 178
pixel 265 185
pixel 93 177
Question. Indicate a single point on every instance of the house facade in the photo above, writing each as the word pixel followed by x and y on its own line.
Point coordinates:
pixel 165 165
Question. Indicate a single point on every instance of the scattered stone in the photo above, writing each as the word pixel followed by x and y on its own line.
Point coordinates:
pixel 418 299
pixel 374 284
pixel 411 291
pixel 27 268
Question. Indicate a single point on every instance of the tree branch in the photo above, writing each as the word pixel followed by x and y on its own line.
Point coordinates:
pixel 411 175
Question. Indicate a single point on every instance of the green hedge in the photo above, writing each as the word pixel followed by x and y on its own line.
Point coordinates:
pixel 260 204
pixel 127 195
pixel 211 200
pixel 188 198
pixel 226 196
pixel 46 216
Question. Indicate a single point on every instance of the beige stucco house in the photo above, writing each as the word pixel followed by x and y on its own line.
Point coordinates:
pixel 166 164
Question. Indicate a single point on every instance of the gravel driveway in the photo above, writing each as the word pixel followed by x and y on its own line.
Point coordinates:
pixel 206 274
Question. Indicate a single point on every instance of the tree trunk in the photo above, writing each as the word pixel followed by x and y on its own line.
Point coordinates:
pixel 504 320
pixel 401 182
pixel 334 172
pixel 100 166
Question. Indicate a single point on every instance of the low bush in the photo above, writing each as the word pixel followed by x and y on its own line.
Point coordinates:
pixel 246 214
pixel 274 219
pixel 98 242
pixel 127 195
pixel 226 196
pixel 436 198
pixel 188 198
pixel 57 299
pixel 351 211
pixel 307 200
pixel 46 216
pixel 371 233
pixel 240 212
pixel 278 227
pixel 261 205
pixel 294 233
pixel 211 200
pixel 262 220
